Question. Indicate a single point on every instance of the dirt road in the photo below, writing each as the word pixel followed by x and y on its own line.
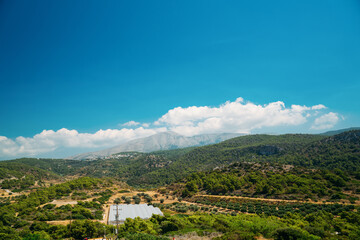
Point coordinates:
pixel 272 199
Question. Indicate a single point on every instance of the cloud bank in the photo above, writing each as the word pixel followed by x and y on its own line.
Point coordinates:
pixel 49 140
pixel 232 117
pixel 237 116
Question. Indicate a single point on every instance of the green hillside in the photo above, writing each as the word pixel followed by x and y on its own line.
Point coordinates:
pixel 340 151
pixel 265 180
pixel 19 176
pixel 286 149
pixel 270 178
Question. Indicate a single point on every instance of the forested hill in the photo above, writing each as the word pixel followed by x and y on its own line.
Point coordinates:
pixel 340 151
pixel 240 149
pixel 22 166
pixel 269 180
pixel 316 151
pixel 19 176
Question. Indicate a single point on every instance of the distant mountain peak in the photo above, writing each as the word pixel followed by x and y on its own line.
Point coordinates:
pixel 168 133
pixel 161 141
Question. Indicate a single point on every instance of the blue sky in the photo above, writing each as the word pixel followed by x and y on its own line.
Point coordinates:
pixel 91 65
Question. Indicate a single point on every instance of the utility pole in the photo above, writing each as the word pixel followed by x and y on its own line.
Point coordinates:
pixel 117 220
pixel 117 201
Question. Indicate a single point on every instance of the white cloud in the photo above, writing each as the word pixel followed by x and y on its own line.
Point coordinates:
pixel 131 124
pixel 49 140
pixel 325 121
pixel 238 116
pixel 318 107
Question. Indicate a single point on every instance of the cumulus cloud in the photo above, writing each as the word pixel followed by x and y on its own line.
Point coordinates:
pixel 131 124
pixel 325 121
pixel 238 116
pixel 318 107
pixel 49 140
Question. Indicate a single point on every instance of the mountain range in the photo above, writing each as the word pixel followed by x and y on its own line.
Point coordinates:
pixel 161 141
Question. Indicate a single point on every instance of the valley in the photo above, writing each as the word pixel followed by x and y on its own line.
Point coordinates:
pixel 179 120
pixel 249 187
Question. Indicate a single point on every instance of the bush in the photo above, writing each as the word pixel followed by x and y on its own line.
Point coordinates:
pixel 148 199
pixel 167 226
pixel 38 236
pixel 288 234
pixel 124 191
pixel 99 214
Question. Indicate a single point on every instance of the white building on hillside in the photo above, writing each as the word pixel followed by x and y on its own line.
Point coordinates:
pixel 125 211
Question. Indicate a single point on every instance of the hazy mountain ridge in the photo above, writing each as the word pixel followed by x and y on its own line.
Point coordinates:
pixel 335 132
pixel 160 141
